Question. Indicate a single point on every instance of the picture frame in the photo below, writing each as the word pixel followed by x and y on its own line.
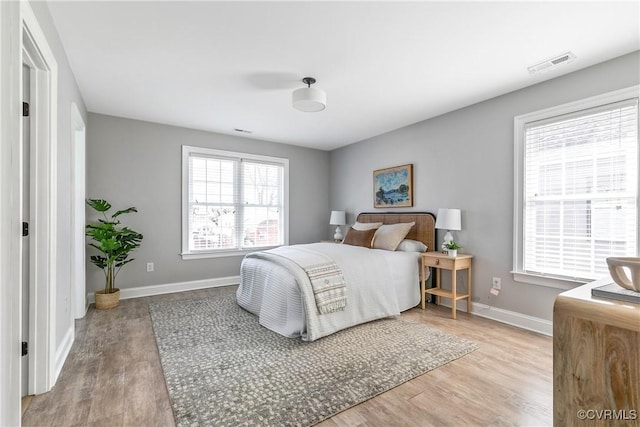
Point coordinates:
pixel 393 187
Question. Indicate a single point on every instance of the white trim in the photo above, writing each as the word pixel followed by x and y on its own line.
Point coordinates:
pixel 10 215
pixel 170 288
pixel 63 350
pixel 78 189
pixel 549 282
pixel 44 95
pixel 523 321
pixel 513 318
pixel 221 254
pixel 530 323
pixel 519 123
pixel 581 104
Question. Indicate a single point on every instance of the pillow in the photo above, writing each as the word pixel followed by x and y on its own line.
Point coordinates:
pixel 389 236
pixel 359 237
pixel 366 225
pixel 408 245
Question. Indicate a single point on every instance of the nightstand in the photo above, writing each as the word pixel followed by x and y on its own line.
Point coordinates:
pixel 440 261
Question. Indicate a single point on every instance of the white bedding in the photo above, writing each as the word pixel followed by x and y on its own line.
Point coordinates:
pixel 380 283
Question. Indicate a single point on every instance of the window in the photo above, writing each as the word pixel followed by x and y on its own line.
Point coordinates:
pixel 232 202
pixel 576 192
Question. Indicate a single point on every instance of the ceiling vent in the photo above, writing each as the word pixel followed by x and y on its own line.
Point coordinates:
pixel 552 63
pixel 242 130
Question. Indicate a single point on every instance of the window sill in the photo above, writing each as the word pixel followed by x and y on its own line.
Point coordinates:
pixel 546 281
pixel 221 254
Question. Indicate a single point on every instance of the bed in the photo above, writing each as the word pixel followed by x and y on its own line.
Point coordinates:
pixel 276 286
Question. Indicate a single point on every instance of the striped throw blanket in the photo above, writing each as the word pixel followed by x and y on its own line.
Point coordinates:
pixel 329 287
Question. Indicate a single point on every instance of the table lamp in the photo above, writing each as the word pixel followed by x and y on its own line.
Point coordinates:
pixel 338 218
pixel 448 219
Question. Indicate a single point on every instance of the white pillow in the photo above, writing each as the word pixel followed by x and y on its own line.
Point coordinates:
pixel 389 236
pixel 408 245
pixel 362 226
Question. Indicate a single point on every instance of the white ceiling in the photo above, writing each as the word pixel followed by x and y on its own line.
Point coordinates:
pixel 218 66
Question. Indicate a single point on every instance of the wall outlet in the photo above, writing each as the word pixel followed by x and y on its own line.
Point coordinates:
pixel 149 267
pixel 496 283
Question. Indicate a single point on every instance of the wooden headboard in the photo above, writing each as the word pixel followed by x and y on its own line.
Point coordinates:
pixel 423 230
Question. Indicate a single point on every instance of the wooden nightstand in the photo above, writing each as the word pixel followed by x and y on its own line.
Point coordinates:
pixel 440 261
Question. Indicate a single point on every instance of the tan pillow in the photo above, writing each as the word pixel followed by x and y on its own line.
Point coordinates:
pixel 359 237
pixel 389 236
pixel 366 225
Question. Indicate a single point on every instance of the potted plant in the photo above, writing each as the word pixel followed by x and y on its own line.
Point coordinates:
pixel 451 247
pixel 115 243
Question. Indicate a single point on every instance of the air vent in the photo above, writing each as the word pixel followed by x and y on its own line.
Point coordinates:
pixel 552 63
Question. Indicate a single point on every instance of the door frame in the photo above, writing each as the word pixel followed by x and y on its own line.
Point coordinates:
pixel 37 54
pixel 78 194
pixel 10 170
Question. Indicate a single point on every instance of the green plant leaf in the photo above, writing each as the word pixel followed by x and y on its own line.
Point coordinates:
pixel 99 261
pixel 452 245
pixel 99 205
pixel 128 210
pixel 120 264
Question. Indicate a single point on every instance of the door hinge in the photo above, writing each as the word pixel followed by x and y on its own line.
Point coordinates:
pixel 25 109
pixel 25 229
pixel 25 348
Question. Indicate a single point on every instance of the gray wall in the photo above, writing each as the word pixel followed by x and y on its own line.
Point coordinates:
pixel 464 159
pixel 136 163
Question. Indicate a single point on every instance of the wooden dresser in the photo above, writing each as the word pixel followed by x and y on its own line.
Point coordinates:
pixel 596 360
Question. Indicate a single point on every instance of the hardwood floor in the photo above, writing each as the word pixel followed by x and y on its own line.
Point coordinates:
pixel 113 377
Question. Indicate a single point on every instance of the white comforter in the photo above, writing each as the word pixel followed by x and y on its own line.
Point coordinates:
pixel 379 284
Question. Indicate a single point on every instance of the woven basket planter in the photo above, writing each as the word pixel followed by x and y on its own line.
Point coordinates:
pixel 107 301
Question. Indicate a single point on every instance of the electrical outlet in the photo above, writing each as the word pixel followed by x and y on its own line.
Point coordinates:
pixel 149 267
pixel 497 283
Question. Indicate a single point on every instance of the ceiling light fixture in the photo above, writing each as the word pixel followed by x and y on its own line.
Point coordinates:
pixel 309 99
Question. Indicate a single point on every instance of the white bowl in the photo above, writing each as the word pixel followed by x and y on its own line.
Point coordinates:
pixel 617 267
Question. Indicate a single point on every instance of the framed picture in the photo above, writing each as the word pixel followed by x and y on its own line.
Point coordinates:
pixel 393 187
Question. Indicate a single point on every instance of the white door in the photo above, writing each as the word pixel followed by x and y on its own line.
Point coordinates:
pixel 26 163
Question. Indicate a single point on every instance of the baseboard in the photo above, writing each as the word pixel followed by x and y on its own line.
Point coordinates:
pixel 513 318
pixel 530 323
pixel 63 351
pixel 169 288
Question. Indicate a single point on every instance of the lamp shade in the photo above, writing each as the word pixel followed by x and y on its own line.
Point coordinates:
pixel 448 219
pixel 337 218
pixel 309 99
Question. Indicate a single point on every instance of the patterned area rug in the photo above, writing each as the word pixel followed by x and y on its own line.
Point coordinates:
pixel 223 369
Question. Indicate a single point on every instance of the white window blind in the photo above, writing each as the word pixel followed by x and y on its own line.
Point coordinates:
pixel 233 201
pixel 580 191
